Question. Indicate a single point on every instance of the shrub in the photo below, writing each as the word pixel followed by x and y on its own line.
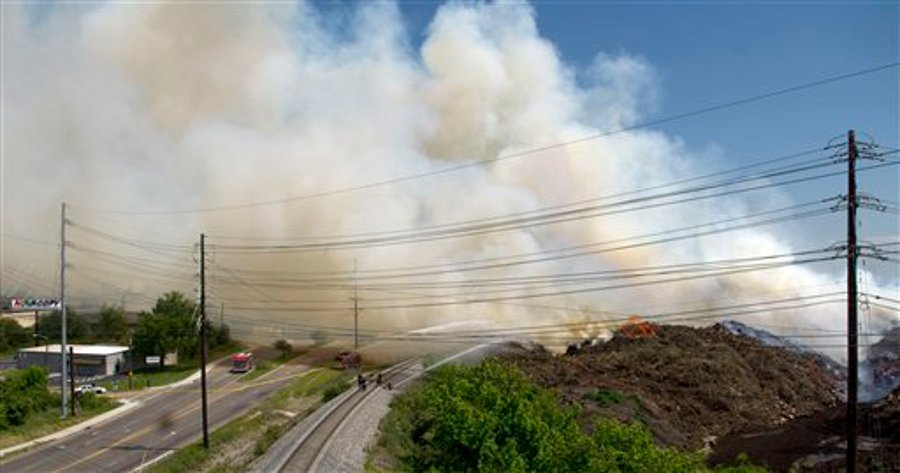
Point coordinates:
pixel 266 440
pixel 490 417
pixel 333 390
pixel 23 392
pixel 284 347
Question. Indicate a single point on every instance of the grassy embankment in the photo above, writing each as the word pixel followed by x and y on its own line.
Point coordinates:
pixel 264 366
pixel 48 421
pixel 236 444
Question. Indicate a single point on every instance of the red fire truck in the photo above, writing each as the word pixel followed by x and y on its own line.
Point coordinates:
pixel 241 362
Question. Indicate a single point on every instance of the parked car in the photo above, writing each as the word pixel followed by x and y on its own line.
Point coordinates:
pixel 90 388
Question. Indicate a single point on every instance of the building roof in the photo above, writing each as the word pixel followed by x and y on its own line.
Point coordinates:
pixel 99 350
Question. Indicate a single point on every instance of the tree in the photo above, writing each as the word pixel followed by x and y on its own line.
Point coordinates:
pixel 13 335
pixel 111 326
pixel 169 326
pixel 284 347
pixel 490 417
pixel 220 335
pixel 77 327
pixel 23 392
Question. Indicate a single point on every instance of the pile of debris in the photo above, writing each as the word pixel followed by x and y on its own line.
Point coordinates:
pixel 883 362
pixel 816 443
pixel 688 385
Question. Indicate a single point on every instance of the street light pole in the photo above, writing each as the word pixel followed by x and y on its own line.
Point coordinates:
pixel 62 307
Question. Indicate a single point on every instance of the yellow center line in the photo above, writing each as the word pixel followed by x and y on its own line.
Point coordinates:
pixel 178 414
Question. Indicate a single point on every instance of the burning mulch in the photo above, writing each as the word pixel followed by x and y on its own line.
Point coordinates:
pixel 688 385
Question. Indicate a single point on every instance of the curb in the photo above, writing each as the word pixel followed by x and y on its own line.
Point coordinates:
pixel 127 404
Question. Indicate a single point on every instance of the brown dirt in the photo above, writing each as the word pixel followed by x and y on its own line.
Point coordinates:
pixel 686 384
pixel 816 443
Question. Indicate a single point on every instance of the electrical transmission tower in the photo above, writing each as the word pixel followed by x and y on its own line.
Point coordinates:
pixel 851 202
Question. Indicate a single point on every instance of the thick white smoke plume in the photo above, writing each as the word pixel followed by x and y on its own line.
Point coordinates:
pixel 161 106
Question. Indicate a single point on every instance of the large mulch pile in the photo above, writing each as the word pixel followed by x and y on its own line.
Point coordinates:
pixel 688 385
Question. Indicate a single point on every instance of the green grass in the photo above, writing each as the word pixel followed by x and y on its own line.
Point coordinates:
pixel 170 374
pixel 48 421
pixel 152 377
pixel 264 366
pixel 317 383
pixel 258 370
pixel 259 428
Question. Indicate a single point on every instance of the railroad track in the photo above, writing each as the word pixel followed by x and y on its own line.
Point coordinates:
pixel 307 450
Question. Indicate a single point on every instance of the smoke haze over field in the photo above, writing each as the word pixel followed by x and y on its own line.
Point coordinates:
pixel 167 106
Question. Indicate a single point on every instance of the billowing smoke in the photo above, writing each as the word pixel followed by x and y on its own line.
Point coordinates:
pixel 169 106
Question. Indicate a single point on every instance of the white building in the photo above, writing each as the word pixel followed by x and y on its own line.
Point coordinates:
pixel 89 360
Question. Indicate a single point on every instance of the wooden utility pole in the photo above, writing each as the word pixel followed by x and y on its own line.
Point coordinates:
pixel 203 344
pixel 37 328
pixel 852 335
pixel 355 309
pixel 355 321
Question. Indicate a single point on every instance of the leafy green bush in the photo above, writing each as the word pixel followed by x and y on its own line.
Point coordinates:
pixel 490 417
pixel 266 440
pixel 88 400
pixel 13 335
pixel 629 447
pixel 23 392
pixel 284 347
pixel 334 389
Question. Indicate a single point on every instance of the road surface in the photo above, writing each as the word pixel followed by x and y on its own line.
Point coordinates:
pixel 165 420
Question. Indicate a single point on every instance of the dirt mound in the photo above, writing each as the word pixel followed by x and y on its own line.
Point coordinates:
pixel 686 384
pixel 816 443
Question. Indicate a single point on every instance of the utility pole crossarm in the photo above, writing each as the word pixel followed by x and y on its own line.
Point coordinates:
pixel 852 335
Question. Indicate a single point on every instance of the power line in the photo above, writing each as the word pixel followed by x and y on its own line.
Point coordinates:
pixel 592 249
pixel 555 293
pixel 534 212
pixel 555 254
pixel 579 276
pixel 650 123
pixel 544 329
pixel 528 222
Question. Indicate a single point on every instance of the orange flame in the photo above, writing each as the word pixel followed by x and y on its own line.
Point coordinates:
pixel 638 328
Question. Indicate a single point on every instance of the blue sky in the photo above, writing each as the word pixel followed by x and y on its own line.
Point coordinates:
pixel 702 54
pixel 706 53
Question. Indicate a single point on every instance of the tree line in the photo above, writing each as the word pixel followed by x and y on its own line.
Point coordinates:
pixel 172 325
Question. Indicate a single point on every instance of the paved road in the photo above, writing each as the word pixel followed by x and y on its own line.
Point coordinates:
pixel 165 420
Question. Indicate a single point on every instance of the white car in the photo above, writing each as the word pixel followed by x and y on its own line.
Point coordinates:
pixel 90 388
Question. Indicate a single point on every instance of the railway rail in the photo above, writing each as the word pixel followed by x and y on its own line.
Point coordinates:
pixel 306 446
